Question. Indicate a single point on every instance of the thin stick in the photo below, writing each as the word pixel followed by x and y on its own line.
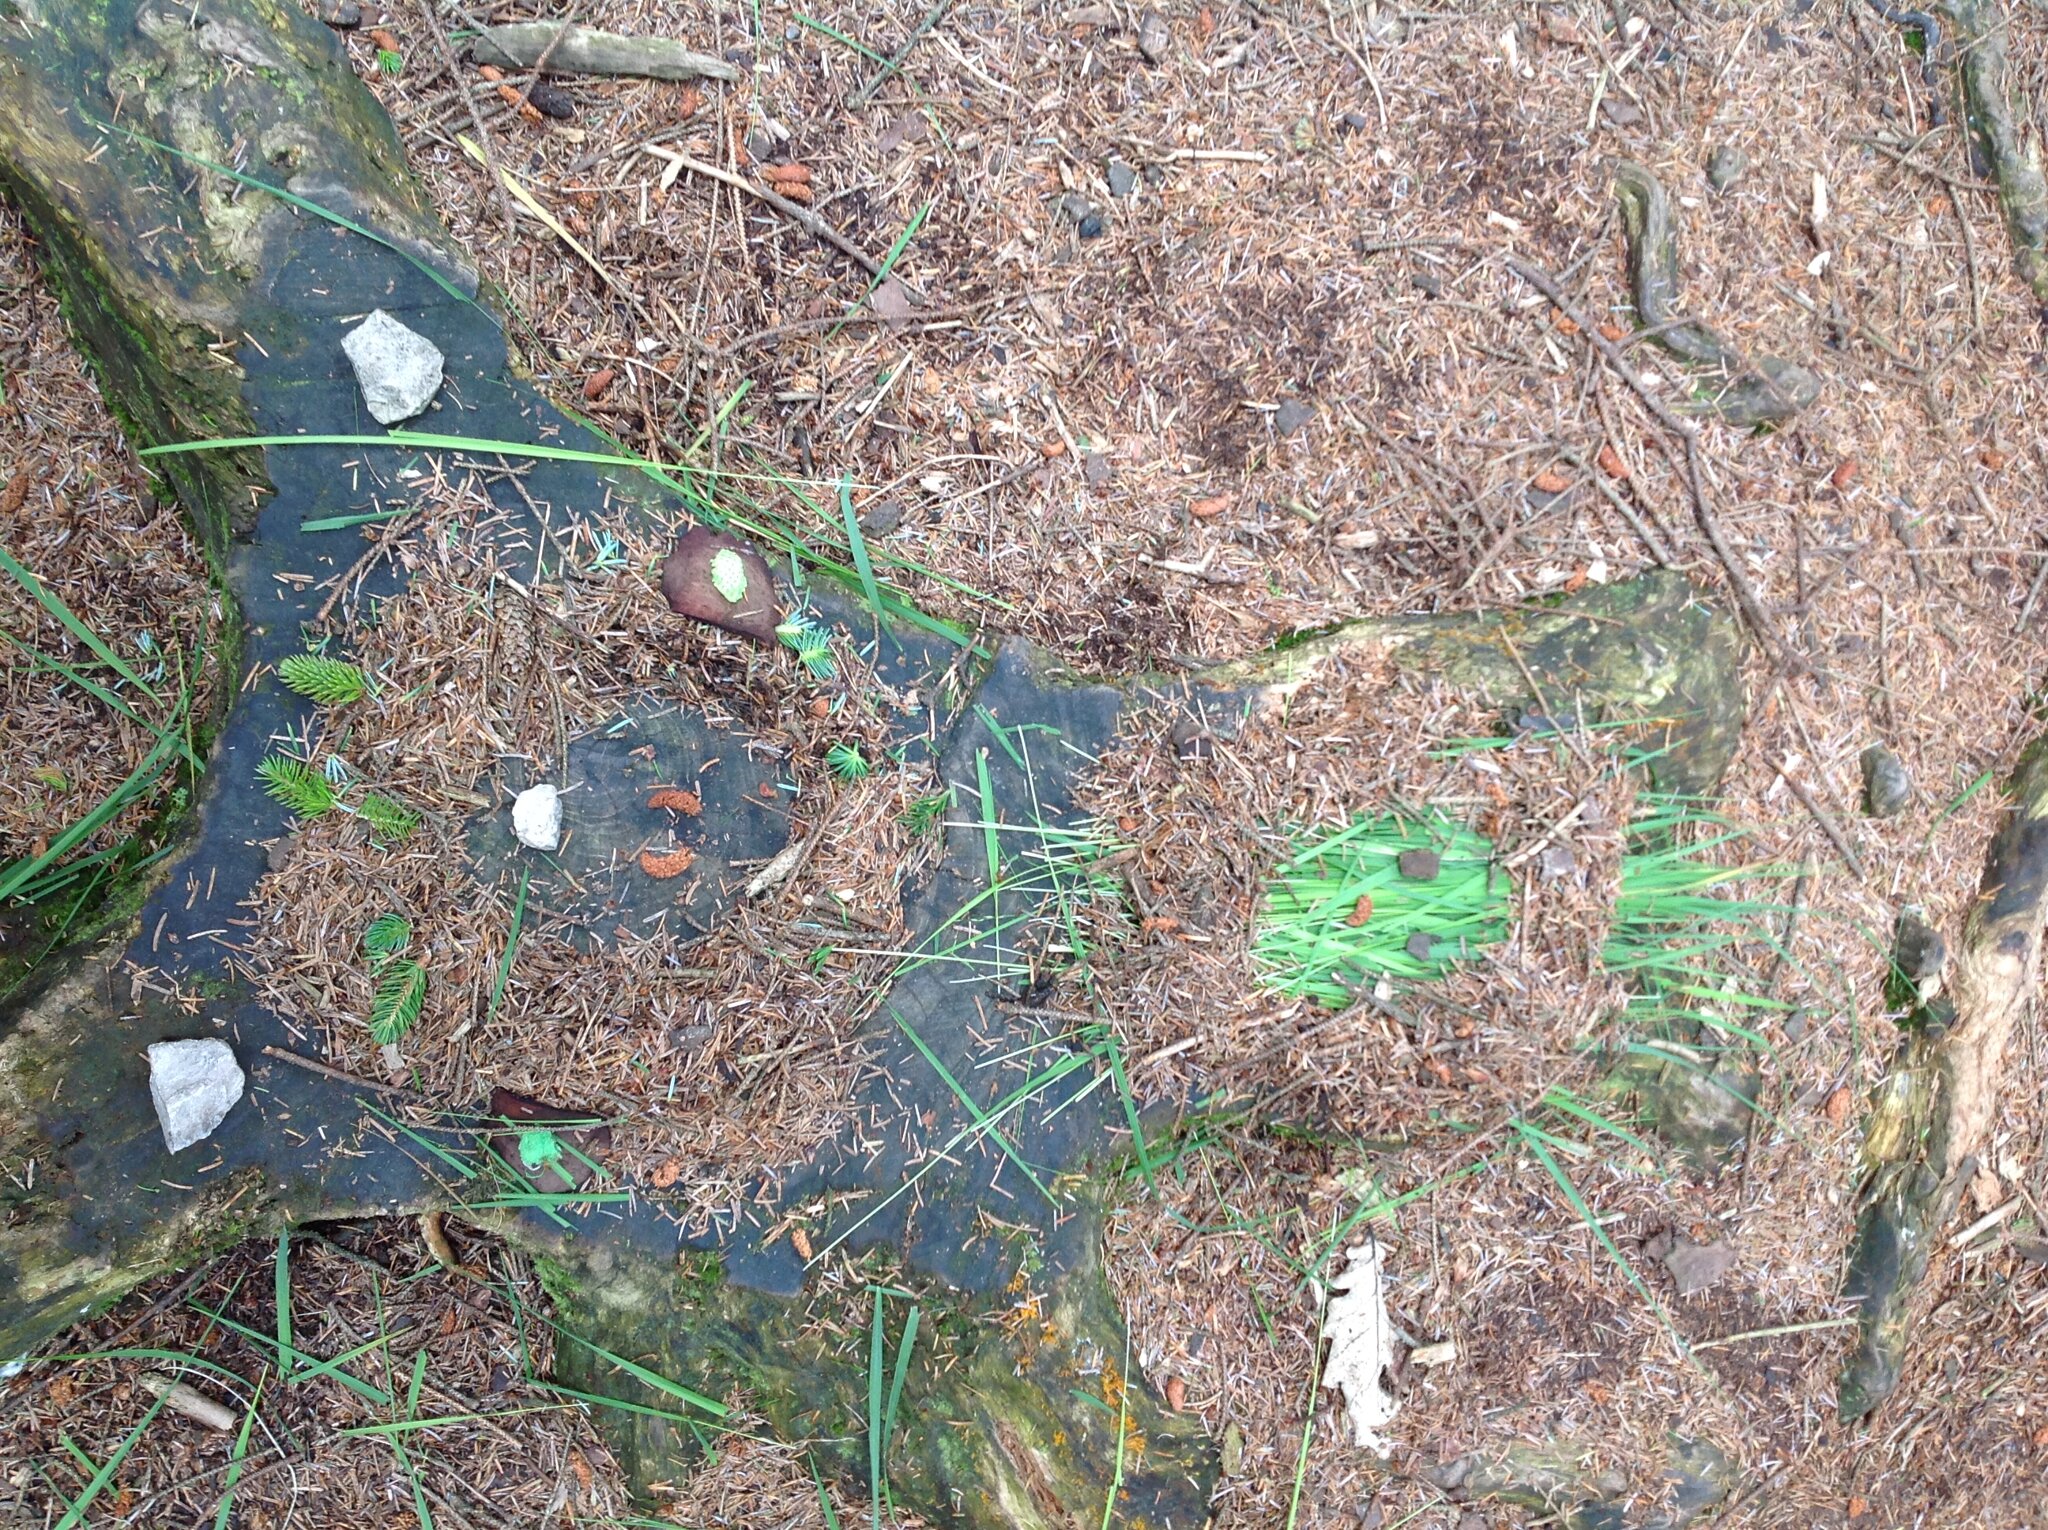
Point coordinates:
pixel 887 71
pixel 1826 821
pixel 1702 507
pixel 483 136
pixel 809 221
pixel 397 1092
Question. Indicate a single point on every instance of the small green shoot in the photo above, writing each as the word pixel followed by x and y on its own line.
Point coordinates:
pixel 848 763
pixel 392 822
pixel 539 1148
pixel 331 682
pixel 297 785
pixel 811 644
pixel 927 812
pixel 390 64
pixel 395 1006
pixel 386 936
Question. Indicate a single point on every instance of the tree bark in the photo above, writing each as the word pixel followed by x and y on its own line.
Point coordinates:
pixel 214 309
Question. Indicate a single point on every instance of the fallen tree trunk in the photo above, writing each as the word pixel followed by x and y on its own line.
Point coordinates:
pixel 214 307
pixel 1934 1111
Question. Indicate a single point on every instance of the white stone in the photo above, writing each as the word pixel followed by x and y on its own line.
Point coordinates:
pixel 399 371
pixel 537 817
pixel 193 1084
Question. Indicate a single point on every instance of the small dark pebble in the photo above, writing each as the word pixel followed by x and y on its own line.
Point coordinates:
pixel 1427 284
pixel 1091 226
pixel 1123 180
pixel 1353 122
pixel 760 146
pixel 880 520
pixel 1421 865
pixel 1621 113
pixel 1094 469
pixel 1192 741
pixel 342 15
pixel 1887 789
pixel 739 58
pixel 1420 945
pixel 1155 176
pixel 1291 416
pixel 551 101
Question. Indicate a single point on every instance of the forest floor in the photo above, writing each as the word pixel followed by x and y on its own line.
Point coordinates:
pixel 1181 354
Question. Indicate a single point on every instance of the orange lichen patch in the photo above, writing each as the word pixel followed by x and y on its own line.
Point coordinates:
pixel 662 866
pixel 677 800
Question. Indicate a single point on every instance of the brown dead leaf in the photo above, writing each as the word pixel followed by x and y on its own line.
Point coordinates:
pixel 1845 473
pixel 892 303
pixel 801 1242
pixel 581 1467
pixel 1176 1392
pixel 1550 481
pixel 1209 507
pixel 1610 461
pixel 1613 334
pixel 383 39
pixel 1051 449
pixel 490 72
pixel 1566 324
pixel 1992 458
pixel 595 384
pixel 666 1173
pixel 1858 1507
pixel 16 493
pixel 1838 1106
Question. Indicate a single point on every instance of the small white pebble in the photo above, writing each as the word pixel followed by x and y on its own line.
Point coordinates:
pixel 537 817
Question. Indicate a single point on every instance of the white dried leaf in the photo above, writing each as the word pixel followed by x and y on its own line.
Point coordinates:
pixel 729 575
pixel 1361 1346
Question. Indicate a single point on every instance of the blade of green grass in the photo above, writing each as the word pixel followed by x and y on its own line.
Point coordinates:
pixel 511 945
pixel 52 603
pixel 875 1355
pixel 74 1514
pixel 857 543
pixel 966 1100
pixel 15 877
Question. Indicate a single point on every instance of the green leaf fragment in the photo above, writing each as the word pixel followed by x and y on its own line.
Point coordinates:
pixel 539 1148
pixel 729 575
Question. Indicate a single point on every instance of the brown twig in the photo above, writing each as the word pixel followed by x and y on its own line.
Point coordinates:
pixel 803 217
pixel 1702 507
pixel 483 136
pixel 396 1091
pixel 888 70
pixel 1826 821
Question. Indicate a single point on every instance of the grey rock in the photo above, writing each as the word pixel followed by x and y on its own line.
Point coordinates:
pixel 1696 1266
pixel 1620 113
pixel 399 371
pixel 193 1084
pixel 1420 945
pixel 1090 227
pixel 1076 208
pixel 1556 861
pixel 1427 283
pixel 761 145
pixel 1153 37
pixel 1725 166
pixel 1155 175
pixel 1094 469
pixel 342 15
pixel 1291 416
pixel 1353 122
pixel 1123 180
pixel 881 519
pixel 1887 788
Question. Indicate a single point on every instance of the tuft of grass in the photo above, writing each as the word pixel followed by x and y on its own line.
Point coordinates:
pixel 331 682
pixel 400 996
pixel 297 785
pixel 847 762
pixel 1340 914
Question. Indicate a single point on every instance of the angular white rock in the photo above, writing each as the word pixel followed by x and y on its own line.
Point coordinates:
pixel 193 1084
pixel 1361 1346
pixel 398 370
pixel 537 817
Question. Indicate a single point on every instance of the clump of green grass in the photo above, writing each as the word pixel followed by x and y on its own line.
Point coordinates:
pixel 1340 914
